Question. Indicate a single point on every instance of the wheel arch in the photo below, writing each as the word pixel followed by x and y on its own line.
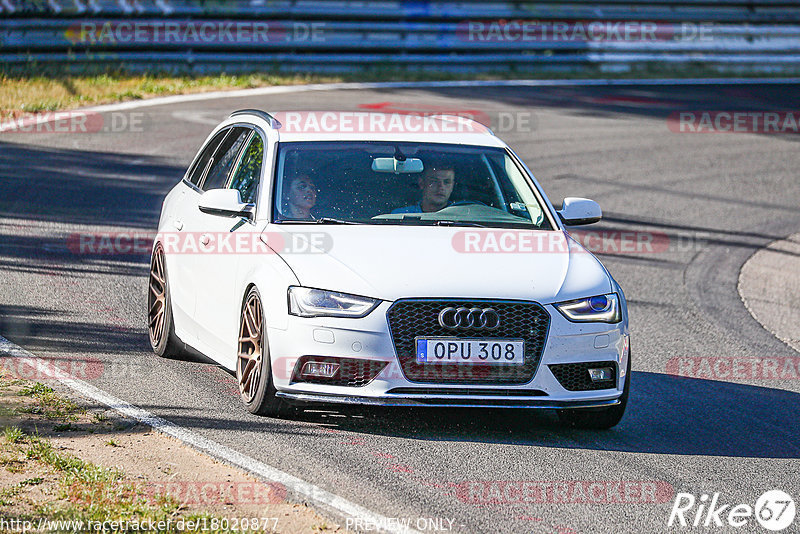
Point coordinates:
pixel 272 277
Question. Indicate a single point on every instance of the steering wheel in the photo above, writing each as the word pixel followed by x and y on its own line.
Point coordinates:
pixel 467 202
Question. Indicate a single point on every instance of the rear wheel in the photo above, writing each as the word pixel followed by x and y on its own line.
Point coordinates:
pixel 160 325
pixel 599 418
pixel 253 369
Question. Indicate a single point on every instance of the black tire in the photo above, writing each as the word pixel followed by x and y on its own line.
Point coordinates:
pixel 160 324
pixel 256 387
pixel 599 418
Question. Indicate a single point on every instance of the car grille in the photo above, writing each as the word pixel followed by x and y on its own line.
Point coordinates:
pixel 353 372
pixel 409 319
pixel 575 376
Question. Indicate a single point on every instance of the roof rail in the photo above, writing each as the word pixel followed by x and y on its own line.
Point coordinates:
pixel 272 121
pixel 463 120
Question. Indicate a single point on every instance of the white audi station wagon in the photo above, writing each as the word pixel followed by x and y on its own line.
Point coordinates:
pixel 391 260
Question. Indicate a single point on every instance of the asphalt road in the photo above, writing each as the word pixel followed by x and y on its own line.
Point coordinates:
pixel 717 198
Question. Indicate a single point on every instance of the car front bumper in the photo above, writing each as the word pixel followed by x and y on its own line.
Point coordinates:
pixel 368 338
pixel 449 401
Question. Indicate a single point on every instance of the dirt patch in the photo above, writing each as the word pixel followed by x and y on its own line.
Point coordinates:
pixel 66 460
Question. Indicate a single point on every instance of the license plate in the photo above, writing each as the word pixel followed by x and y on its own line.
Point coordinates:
pixel 471 351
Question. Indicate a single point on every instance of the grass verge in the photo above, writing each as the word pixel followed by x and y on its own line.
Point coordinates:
pixel 32 93
pixel 43 489
pixel 75 492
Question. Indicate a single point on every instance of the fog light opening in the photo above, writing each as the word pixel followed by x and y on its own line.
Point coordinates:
pixel 601 374
pixel 320 369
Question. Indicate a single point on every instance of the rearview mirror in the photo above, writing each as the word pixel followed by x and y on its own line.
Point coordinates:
pixel 578 211
pixel 397 166
pixel 225 203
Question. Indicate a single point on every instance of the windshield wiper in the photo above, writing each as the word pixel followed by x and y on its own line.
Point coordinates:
pixel 331 220
pixel 321 220
pixel 416 220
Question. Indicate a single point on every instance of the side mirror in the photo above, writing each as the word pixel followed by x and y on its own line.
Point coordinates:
pixel 225 203
pixel 577 211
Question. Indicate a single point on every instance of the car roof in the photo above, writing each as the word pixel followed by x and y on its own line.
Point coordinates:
pixel 370 126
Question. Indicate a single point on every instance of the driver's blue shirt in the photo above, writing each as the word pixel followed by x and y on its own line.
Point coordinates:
pixel 416 208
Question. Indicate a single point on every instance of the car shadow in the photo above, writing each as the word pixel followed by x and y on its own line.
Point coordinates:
pixel 666 415
pixel 50 331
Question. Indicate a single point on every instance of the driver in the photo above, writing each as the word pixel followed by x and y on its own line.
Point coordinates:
pixel 436 186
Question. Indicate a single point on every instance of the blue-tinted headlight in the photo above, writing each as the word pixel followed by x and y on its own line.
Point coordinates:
pixel 598 303
pixel 596 309
pixel 309 302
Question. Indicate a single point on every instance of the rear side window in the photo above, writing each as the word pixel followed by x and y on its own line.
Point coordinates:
pixel 224 157
pixel 247 174
pixel 196 174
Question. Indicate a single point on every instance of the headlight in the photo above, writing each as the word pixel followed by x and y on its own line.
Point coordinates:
pixel 598 309
pixel 307 302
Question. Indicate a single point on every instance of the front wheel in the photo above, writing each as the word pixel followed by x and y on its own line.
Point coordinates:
pixel 599 418
pixel 253 370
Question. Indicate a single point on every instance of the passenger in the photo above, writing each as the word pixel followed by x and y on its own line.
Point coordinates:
pixel 300 197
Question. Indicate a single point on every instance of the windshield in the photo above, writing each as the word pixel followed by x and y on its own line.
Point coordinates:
pixel 403 183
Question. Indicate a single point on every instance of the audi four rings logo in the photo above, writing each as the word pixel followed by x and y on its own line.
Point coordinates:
pixel 469 318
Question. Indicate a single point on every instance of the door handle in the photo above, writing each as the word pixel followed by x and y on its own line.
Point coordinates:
pixel 178 224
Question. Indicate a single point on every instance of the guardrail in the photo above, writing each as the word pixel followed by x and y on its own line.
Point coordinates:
pixel 752 11
pixel 206 36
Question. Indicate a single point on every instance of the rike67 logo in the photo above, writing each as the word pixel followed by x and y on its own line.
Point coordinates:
pixel 774 510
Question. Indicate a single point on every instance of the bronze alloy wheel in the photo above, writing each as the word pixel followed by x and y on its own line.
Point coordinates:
pixel 248 367
pixel 160 326
pixel 253 371
pixel 157 298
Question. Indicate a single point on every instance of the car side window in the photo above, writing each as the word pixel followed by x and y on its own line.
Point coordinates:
pixel 224 157
pixel 246 176
pixel 196 174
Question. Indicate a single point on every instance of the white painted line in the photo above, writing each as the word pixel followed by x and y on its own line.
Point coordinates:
pixel 282 89
pixel 294 485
